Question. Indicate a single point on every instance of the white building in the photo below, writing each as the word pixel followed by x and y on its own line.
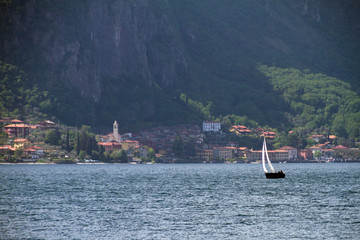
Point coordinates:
pixel 211 126
pixel 292 152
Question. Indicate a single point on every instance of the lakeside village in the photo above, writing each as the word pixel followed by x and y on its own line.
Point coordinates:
pixel 43 143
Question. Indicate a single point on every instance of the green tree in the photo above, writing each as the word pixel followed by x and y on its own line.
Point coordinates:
pixel 53 137
pixel 18 153
pixel 151 154
pixel 178 147
pixel 77 143
pixel 119 156
pixel 67 147
pixel 82 155
pixel 317 154
pixel 87 141
pixel 189 149
pixel 293 141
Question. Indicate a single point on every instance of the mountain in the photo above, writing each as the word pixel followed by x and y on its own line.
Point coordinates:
pixel 156 61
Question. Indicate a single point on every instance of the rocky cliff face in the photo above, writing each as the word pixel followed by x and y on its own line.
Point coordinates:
pixel 83 43
pixel 140 55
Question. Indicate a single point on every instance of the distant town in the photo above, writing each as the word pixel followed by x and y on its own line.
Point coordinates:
pixel 208 143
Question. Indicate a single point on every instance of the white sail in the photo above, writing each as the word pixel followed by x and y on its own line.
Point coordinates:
pixel 263 157
pixel 265 154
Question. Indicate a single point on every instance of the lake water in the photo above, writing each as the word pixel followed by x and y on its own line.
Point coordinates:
pixel 193 201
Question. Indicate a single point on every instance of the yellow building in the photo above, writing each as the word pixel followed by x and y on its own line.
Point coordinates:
pixel 128 144
pixel 21 143
pixel 205 155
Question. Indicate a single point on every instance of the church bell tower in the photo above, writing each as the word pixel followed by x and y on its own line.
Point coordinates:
pixel 117 137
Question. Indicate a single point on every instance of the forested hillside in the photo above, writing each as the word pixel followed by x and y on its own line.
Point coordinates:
pixel 286 64
pixel 317 101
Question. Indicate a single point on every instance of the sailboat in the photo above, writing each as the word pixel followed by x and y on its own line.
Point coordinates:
pixel 273 173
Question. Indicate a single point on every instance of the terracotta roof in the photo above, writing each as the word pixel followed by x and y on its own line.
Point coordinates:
pixel 20 140
pixel 17 126
pixel 287 148
pixel 130 141
pixel 7 147
pixel 36 147
pixel 340 147
pixel 109 143
pixel 107 135
pixel 314 147
pixel 29 150
pixel 317 136
pixel 16 121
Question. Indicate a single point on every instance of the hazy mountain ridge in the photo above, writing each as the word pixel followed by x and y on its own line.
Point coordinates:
pixel 132 60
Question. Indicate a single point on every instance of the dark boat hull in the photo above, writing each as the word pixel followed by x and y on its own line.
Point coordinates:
pixel 275 175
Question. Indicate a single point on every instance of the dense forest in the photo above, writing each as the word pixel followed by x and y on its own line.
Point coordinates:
pixel 290 65
pixel 317 101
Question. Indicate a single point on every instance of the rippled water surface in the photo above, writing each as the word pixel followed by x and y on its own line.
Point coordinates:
pixel 194 201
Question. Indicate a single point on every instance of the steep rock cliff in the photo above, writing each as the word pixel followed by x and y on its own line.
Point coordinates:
pixel 83 42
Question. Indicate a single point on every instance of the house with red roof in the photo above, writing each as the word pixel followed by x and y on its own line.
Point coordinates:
pixel 306 154
pixel 317 138
pixel 129 144
pixel 340 147
pixel 21 143
pixel 47 124
pixel 16 121
pixel 17 129
pixel 110 146
pixel 270 135
pixel 242 151
pixel 240 130
pixel 7 148
pixel 332 139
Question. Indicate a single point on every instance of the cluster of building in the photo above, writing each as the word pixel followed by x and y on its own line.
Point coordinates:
pixel 161 139
pixel 243 130
pixel 114 141
pixel 32 152
pixel 17 130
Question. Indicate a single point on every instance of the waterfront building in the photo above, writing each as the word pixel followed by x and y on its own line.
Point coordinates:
pixel 205 155
pixel 224 153
pixel 292 152
pixel 110 146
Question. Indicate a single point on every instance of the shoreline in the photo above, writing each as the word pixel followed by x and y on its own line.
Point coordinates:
pixel 131 163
